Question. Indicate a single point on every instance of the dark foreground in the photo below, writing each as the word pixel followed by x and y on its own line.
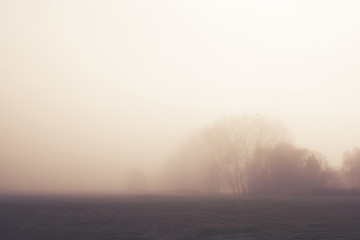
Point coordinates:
pixel 173 217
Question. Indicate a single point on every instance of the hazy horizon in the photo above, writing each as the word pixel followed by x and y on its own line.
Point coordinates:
pixel 92 90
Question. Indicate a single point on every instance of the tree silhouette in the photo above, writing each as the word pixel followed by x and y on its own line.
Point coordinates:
pixel 351 167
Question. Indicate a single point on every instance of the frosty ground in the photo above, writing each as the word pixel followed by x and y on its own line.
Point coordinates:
pixel 180 217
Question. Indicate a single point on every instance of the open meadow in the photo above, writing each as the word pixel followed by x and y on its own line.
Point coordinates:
pixel 180 217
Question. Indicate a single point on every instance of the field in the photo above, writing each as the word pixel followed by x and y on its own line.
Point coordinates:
pixel 180 217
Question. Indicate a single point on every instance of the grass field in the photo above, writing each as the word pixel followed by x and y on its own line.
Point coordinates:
pixel 180 217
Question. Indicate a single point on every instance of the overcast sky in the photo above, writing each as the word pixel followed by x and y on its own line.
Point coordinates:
pixel 91 89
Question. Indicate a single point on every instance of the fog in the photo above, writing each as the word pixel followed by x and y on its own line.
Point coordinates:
pixel 93 93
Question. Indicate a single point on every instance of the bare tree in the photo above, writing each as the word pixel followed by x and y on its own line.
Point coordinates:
pixel 316 171
pixel 351 167
pixel 244 136
pixel 252 154
pixel 285 163
pixel 225 151
pixel 288 169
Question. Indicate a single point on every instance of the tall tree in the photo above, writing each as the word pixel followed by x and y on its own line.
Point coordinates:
pixel 225 151
pixel 244 136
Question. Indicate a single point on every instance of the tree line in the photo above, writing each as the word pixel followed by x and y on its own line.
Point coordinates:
pixel 254 154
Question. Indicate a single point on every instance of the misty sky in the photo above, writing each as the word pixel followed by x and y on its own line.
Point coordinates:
pixel 92 89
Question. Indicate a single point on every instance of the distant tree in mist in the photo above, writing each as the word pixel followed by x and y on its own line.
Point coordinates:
pixel 246 154
pixel 351 167
pixel 287 169
pixel 224 152
pixel 241 138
